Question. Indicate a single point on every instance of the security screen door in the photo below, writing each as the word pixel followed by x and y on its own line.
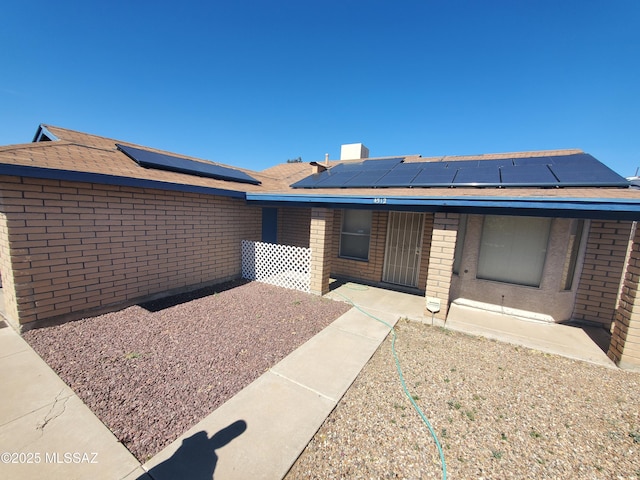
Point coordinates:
pixel 404 245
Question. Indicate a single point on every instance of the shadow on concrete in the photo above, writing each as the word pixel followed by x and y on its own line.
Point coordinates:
pixel 196 459
pixel 359 284
pixel 178 299
pixel 599 336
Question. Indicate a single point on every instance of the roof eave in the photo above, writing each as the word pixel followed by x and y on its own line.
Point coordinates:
pixel 105 179
pixel 595 208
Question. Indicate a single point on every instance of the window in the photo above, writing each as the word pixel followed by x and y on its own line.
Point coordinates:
pixel 513 249
pixel 462 233
pixel 355 234
pixel 571 261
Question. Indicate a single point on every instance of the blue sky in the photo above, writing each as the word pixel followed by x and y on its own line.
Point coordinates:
pixel 254 83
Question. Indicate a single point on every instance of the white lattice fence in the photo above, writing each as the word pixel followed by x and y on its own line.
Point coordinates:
pixel 282 265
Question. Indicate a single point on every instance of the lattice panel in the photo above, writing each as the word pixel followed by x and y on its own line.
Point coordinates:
pixel 281 265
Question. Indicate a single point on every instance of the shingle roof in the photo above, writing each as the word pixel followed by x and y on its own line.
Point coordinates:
pixel 83 153
pixel 97 157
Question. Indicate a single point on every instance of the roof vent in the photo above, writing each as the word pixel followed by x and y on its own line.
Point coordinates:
pixel 353 151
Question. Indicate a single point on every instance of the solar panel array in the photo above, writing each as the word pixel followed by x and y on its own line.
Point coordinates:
pixel 161 161
pixel 577 170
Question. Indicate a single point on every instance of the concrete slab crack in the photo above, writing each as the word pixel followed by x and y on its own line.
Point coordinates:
pixel 53 413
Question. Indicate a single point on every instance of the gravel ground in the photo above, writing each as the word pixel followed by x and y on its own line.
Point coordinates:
pixel 499 411
pixel 150 372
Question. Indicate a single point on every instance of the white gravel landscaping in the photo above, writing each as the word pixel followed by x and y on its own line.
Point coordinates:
pixel 499 411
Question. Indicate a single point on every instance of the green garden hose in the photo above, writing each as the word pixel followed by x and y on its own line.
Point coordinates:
pixel 404 384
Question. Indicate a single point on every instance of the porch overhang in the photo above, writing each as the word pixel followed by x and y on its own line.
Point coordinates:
pixel 564 207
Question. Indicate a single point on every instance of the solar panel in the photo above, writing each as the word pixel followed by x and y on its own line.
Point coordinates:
pixel 455 164
pixel 478 176
pixel 400 176
pixel 528 176
pixel 385 164
pixel 427 166
pixel 365 179
pixel 544 171
pixel 588 172
pixel 161 161
pixel 503 162
pixel 533 161
pixel 434 177
pixel 312 180
pixel 336 179
pixel 348 167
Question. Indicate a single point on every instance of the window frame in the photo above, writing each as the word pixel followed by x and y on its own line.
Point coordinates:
pixel 495 275
pixel 458 253
pixel 355 234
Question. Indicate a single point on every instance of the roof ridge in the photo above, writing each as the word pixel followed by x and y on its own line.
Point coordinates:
pixel 49 127
pixel 519 154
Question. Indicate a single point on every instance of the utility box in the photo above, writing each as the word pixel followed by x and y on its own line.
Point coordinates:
pixel 353 151
pixel 433 304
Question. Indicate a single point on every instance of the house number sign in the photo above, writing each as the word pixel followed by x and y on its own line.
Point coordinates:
pixel 379 200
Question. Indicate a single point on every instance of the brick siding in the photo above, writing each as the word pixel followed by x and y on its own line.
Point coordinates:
pixel 602 270
pixel 443 245
pixel 625 340
pixel 368 270
pixel 320 242
pixel 80 246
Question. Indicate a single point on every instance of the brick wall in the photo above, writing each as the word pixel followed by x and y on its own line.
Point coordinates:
pixel 604 260
pixel 443 244
pixel 625 340
pixel 6 270
pixel 371 270
pixel 426 250
pixel 320 243
pixel 294 225
pixel 79 246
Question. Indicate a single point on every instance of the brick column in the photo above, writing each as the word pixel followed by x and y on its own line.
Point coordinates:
pixel 320 243
pixel 604 258
pixel 624 348
pixel 6 271
pixel 443 245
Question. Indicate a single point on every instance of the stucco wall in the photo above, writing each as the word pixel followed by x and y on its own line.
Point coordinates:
pixel 79 246
pixel 549 298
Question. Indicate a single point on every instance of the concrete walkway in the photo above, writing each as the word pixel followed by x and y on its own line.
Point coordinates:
pixel 257 434
pixel 46 429
pixel 260 432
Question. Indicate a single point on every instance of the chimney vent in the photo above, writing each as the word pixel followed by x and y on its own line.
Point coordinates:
pixel 317 168
pixel 353 151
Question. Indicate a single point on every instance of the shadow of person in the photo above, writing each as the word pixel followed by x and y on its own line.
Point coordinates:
pixel 196 458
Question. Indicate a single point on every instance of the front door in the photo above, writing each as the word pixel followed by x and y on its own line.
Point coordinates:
pixel 404 245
